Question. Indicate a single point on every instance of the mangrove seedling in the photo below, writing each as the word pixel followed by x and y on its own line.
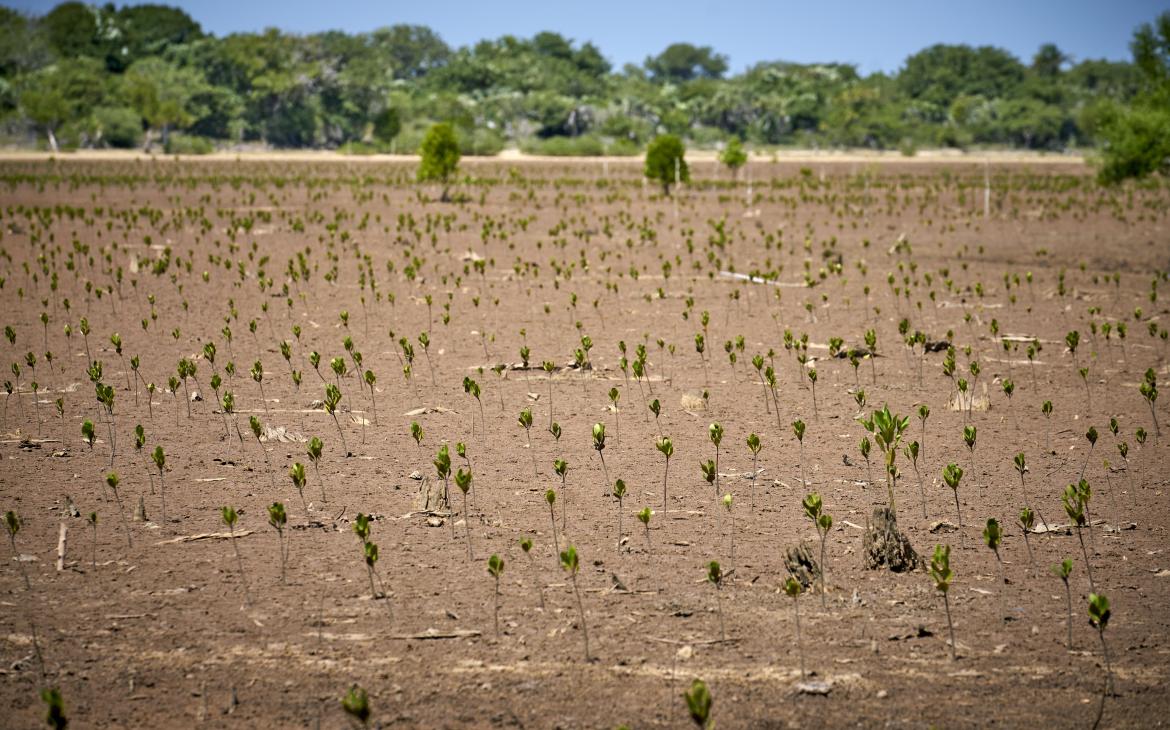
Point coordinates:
pixel 952 475
pixel 1091 437
pixel 1076 502
pixel 614 397
pixel 941 573
pixel 728 502
pixel 793 589
pixel 561 469
pixel 599 446
pixel 1027 522
pixel 715 432
pixel 798 429
pixel 463 481
pixel 525 420
pixel 865 446
pixel 277 519
pixel 87 433
pixel 257 432
pixel 1063 570
pixel 296 473
pixel 112 482
pixel 258 376
pixel 1046 409
pixel 160 463
pixel 708 469
pixel 556 432
pixel 619 493
pixel 699 705
pixel 871 345
pixel 93 521
pixel 571 563
pixel 970 434
pixel 416 432
pixel 715 578
pixel 753 444
pixel 496 569
pixel 472 388
pixel 13 523
pixel 550 496
pixel 1021 463
pixel 656 409
pixel 315 449
pixel 356 704
pixel 1099 614
pixel 644 517
pixel 923 414
pixel 54 708
pixel 230 517
pixel 526 547
pixel 993 538
pixel 911 452
pixel 823 522
pixel 666 447
pixel 548 366
pixel 1149 391
pixel 371 379
pixel 812 379
pixel 888 430
pixel 370 555
pixel 332 399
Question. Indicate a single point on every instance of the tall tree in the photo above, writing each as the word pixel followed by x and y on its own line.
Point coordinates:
pixel 683 62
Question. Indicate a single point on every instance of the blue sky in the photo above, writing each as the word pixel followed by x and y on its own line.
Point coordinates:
pixel 873 35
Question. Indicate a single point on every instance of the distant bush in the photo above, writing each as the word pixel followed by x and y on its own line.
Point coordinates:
pixel 117 127
pixel 186 144
pixel 480 142
pixel 363 148
pixel 706 137
pixel 623 148
pixel 1137 143
pixel 584 146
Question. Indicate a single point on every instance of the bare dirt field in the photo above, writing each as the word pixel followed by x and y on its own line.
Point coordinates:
pixel 179 622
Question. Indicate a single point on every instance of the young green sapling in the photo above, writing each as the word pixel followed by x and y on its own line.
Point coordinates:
pixel 941 573
pixel 230 517
pixel 496 569
pixel 525 420
pixel 698 700
pixel 823 522
pixel 715 578
pixel 666 447
pixel 571 563
pixel 277 519
pixel 463 481
pixel 793 589
pixel 1063 570
pixel 13 523
pixel 619 493
pixel 952 475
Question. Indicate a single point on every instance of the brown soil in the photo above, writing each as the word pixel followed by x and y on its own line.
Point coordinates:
pixel 157 635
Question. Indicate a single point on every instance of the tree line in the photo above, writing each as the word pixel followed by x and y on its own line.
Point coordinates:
pixel 139 76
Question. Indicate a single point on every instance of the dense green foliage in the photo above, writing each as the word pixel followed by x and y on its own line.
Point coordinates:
pixel 665 161
pixel 78 73
pixel 1137 137
pixel 440 156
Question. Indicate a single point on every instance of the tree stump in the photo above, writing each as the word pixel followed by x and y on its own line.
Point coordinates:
pixel 802 565
pixel 886 547
pixel 429 497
